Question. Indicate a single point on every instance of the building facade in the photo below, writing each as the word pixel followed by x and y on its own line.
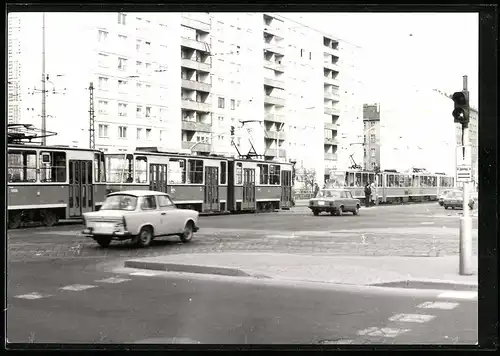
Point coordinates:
pixel 207 83
pixel 371 136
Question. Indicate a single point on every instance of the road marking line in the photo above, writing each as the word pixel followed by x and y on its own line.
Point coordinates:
pixel 412 318
pixel 438 305
pixel 427 223
pixel 77 287
pixel 458 295
pixel 113 280
pixel 144 274
pixel 32 296
pixel 384 332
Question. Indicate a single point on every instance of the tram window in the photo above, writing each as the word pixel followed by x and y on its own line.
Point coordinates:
pixel 22 166
pixel 239 173
pixel 52 166
pixel 141 169
pixel 274 174
pixel 177 171
pixel 264 173
pixel 195 171
pixel 223 173
pixel 401 181
pixel 119 168
pixel 390 180
pixel 99 172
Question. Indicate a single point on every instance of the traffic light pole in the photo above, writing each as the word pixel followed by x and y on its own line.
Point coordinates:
pixel 466 219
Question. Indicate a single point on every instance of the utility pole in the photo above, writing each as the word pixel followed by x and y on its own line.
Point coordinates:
pixel 461 115
pixel 44 92
pixel 92 117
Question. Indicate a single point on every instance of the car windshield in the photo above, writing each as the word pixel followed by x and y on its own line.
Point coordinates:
pixel 328 194
pixel 120 202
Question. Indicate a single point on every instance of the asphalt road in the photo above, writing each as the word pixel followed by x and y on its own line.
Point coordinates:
pixel 162 309
pixel 409 230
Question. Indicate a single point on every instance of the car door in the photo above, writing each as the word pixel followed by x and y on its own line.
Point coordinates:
pixel 150 213
pixel 170 219
pixel 351 200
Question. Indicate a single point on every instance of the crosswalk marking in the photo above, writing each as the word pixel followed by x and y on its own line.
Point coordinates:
pixel 412 318
pixel 384 332
pixel 458 295
pixel 77 287
pixel 438 305
pixel 113 280
pixel 32 296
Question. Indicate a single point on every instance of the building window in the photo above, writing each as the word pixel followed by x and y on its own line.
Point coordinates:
pixel 138 111
pixel 103 83
pixel 162 134
pixel 122 63
pixel 148 134
pixel 122 131
pixel 302 53
pixel 221 118
pixel 138 67
pixel 372 123
pixel 138 44
pixel 221 103
pixel 372 152
pixel 103 60
pixel 122 109
pixel 122 86
pixel 122 19
pixel 103 107
pixel 148 47
pixel 372 138
pixel 233 104
pixel 148 68
pixel 373 164
pixel 364 152
pixel 139 134
pixel 148 111
pixel 103 131
pixel 103 36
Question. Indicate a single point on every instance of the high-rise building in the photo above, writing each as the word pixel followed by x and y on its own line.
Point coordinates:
pixel 14 70
pixel 208 83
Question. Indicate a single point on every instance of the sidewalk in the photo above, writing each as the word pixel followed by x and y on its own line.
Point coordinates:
pixel 411 272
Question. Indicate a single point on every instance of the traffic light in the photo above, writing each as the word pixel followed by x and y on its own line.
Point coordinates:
pixel 232 130
pixel 461 111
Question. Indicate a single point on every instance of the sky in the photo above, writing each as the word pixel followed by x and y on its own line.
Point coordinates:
pixel 416 49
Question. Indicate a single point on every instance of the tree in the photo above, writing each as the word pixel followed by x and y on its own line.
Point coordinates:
pixel 308 177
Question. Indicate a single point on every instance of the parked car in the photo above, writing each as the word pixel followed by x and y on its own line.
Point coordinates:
pixel 334 201
pixel 454 199
pixel 443 194
pixel 139 216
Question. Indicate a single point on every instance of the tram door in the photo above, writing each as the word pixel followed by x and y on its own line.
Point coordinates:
pixel 286 189
pixel 158 177
pixel 248 201
pixel 211 199
pixel 81 192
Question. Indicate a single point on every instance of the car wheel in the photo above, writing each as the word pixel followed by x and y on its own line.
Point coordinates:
pixel 452 208
pixel 446 207
pixel 356 211
pixel 103 241
pixel 340 211
pixel 315 212
pixel 145 236
pixel 188 232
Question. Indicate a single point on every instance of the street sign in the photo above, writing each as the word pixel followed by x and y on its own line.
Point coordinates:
pixel 464 173
pixel 461 159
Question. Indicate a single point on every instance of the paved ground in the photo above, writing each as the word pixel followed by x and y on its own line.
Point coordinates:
pixel 70 303
pixel 146 306
pixel 412 230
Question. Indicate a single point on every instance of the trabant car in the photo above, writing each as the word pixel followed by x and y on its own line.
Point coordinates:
pixel 139 216
pixel 454 199
pixel 334 201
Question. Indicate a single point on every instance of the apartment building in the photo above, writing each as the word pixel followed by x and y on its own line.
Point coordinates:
pixel 14 69
pixel 183 80
pixel 371 136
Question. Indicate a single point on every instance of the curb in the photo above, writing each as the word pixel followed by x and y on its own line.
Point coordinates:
pixel 175 267
pixel 427 285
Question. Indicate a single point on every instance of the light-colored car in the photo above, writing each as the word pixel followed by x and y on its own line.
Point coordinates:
pixel 140 216
pixel 454 199
pixel 334 201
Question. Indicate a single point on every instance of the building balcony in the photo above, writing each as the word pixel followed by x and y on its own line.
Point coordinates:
pixel 332 95
pixel 198 22
pixel 331 111
pixel 331 81
pixel 274 83
pixel 189 63
pixel 198 45
pixel 268 99
pixel 332 66
pixel 188 104
pixel 330 157
pixel 329 50
pixel 331 141
pixel 330 126
pixel 196 126
pixel 194 85
pixel 278 67
pixel 200 147
pixel 274 118
pixel 277 32
pixel 274 135
pixel 275 48
pixel 272 152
